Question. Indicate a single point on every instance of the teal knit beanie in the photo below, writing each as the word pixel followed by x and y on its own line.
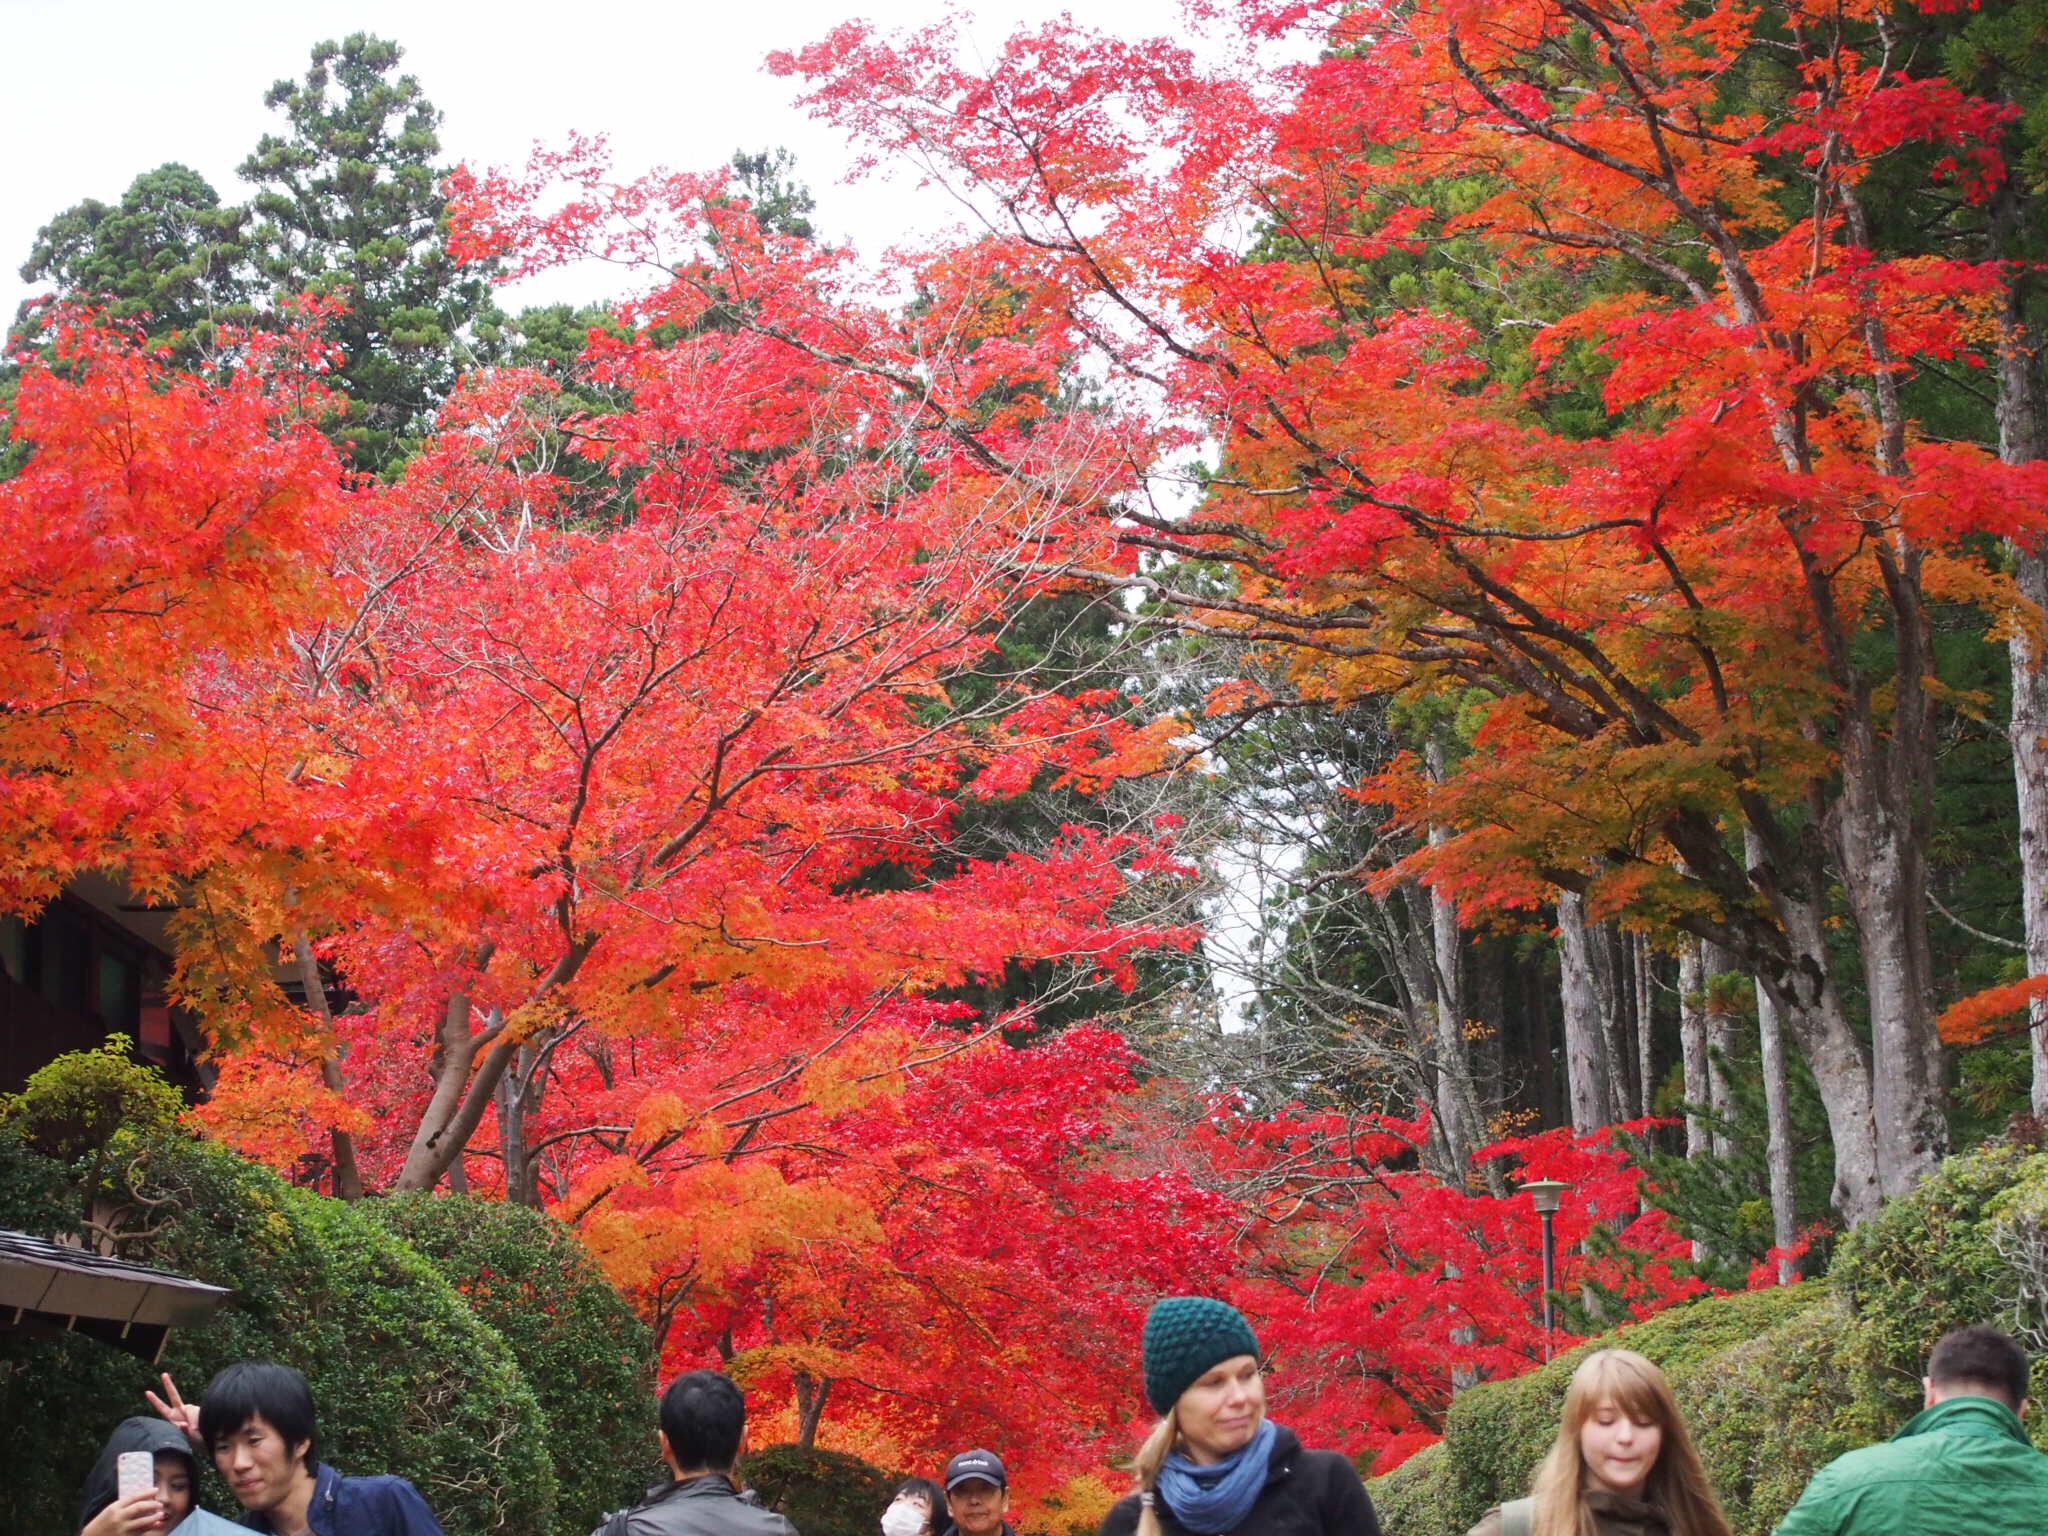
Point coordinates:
pixel 1184 1337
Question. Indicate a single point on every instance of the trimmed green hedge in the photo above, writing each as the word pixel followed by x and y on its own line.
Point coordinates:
pixel 409 1373
pixel 1775 1384
pixel 587 1357
pixel 408 1380
pixel 824 1493
pixel 1773 1411
pixel 1924 1265
pixel 1496 1433
pixel 1413 1499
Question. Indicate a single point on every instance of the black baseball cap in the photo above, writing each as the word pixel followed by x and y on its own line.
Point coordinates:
pixel 968 1466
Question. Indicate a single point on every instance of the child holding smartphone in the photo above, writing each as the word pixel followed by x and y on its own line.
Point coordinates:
pixel 168 1497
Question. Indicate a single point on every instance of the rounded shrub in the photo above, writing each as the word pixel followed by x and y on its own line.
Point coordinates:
pixel 411 1381
pixel 1414 1498
pixel 59 1396
pixel 1773 1411
pixel 824 1493
pixel 1496 1433
pixel 74 1106
pixel 586 1356
pixel 1927 1263
pixel 2019 1234
pixel 407 1380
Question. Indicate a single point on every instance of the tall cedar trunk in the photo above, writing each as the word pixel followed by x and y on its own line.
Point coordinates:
pixel 1715 964
pixel 1409 940
pixel 1778 1122
pixel 1457 1092
pixel 2030 778
pixel 1885 813
pixel 1692 1039
pixel 1646 1024
pixel 1585 1037
pixel 1692 1047
pixel 1884 877
pixel 1610 986
pixel 2022 438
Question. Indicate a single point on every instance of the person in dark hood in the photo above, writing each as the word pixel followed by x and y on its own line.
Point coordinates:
pixel 157 1509
pixel 256 1421
pixel 1215 1463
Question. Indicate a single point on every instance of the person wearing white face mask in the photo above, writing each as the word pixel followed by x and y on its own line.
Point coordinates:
pixel 1216 1465
pixel 913 1510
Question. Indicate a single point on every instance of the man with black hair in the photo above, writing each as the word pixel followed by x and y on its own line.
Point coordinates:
pixel 703 1421
pixel 255 1419
pixel 1963 1465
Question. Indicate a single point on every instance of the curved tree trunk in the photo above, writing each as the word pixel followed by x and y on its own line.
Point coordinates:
pixel 348 1178
pixel 1802 986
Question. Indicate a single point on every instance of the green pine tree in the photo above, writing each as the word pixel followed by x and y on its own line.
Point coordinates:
pixel 168 257
pixel 348 204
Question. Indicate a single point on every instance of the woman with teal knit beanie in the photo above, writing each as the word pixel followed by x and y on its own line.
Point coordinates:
pixel 1215 1465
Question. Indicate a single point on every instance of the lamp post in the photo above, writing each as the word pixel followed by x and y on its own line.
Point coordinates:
pixel 1546 1195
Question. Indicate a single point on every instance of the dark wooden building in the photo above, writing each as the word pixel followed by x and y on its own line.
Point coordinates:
pixel 96 962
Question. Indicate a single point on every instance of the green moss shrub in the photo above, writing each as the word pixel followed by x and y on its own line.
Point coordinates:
pixel 1774 1410
pixel 1497 1432
pixel 1415 1498
pixel 1924 1264
pixel 1776 1384
pixel 586 1356
pixel 408 1380
pixel 824 1493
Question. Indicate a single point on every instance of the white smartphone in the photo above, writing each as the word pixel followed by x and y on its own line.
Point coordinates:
pixel 134 1472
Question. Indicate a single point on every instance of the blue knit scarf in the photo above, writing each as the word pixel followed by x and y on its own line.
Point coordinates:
pixel 1213 1499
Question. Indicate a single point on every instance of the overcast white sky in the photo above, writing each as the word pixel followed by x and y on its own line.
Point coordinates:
pixel 95 93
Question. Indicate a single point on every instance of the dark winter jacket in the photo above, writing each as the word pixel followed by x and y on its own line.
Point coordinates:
pixel 1614 1514
pixel 1307 1493
pixel 1964 1467
pixel 361 1506
pixel 698 1506
pixel 137 1434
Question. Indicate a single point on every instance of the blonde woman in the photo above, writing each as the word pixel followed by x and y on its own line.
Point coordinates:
pixel 1215 1465
pixel 1622 1465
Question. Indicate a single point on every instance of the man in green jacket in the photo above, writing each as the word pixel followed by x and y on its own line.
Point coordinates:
pixel 1963 1467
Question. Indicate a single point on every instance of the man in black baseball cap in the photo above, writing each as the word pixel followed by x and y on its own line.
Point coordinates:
pixel 977 1495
